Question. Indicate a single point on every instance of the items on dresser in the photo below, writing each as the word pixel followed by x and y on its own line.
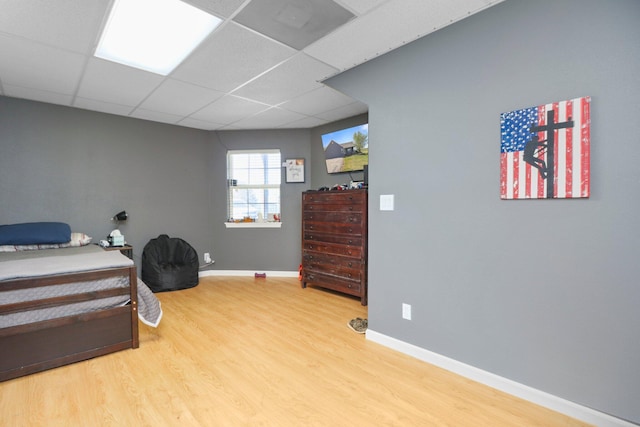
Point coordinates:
pixel 334 241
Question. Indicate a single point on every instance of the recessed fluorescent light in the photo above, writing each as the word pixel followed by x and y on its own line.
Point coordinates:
pixel 153 35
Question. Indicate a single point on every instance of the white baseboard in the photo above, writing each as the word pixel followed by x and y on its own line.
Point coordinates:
pixel 247 273
pixel 522 391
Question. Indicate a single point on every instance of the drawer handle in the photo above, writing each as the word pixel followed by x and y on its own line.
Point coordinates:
pixel 311 227
pixel 350 208
pixel 350 230
pixel 310 237
pixel 309 246
pixel 350 264
pixel 310 208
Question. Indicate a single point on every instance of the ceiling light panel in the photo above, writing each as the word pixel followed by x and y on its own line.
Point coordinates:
pixel 153 35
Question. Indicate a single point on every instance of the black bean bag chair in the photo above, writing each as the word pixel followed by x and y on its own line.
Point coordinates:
pixel 169 264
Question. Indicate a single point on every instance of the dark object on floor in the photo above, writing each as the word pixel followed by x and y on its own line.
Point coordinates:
pixel 169 264
pixel 358 325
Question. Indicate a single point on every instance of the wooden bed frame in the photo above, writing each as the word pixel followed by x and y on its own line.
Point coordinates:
pixel 35 347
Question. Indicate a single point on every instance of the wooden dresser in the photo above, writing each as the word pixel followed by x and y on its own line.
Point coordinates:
pixel 334 241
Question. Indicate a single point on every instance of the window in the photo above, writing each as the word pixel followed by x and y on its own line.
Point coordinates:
pixel 253 184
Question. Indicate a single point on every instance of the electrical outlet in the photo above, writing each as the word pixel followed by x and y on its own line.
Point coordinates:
pixel 207 257
pixel 406 311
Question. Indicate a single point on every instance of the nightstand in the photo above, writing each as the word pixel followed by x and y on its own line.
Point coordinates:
pixel 126 250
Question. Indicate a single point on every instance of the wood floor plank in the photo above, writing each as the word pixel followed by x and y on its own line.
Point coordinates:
pixel 237 351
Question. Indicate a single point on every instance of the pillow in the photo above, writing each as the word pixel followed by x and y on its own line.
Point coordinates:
pixel 77 239
pixel 35 233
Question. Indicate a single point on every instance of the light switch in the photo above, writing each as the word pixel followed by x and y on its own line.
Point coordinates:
pixel 386 202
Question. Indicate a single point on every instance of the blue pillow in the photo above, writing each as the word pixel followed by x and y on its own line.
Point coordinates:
pixel 35 233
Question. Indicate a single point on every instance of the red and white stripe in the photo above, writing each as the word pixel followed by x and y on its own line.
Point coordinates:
pixel 519 180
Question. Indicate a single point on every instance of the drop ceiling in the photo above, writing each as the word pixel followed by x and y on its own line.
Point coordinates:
pixel 262 68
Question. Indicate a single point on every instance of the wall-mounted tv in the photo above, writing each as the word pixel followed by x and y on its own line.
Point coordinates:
pixel 346 150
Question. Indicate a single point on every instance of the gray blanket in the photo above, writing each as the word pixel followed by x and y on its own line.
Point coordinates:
pixel 58 261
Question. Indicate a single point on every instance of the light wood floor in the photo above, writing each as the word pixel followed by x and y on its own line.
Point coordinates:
pixel 259 352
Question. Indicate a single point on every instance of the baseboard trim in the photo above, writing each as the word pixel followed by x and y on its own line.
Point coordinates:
pixel 248 273
pixel 522 391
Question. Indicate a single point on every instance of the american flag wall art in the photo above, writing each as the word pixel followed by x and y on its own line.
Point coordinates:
pixel 545 151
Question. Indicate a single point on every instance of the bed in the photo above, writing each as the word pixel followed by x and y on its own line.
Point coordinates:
pixel 63 305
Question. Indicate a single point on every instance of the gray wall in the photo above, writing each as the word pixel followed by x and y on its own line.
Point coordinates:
pixel 81 167
pixel 258 249
pixel 544 292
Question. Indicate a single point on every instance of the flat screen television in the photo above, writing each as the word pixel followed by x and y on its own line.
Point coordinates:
pixel 346 150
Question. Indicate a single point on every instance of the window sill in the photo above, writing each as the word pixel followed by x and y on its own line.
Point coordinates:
pixel 253 224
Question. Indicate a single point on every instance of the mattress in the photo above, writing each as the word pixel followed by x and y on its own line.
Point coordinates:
pixel 47 262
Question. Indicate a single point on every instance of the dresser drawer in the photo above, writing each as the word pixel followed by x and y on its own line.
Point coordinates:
pixel 332 248
pixel 333 265
pixel 331 282
pixel 342 217
pixel 332 197
pixel 343 239
pixel 332 227
pixel 333 207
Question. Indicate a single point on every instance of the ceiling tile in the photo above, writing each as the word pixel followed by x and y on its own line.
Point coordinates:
pixel 220 8
pixel 273 117
pixel 229 109
pixel 361 7
pixel 342 112
pixel 179 98
pixel 68 24
pixel 307 122
pixel 38 66
pixel 37 95
pixel 289 80
pixel 104 107
pixel 155 116
pixel 378 32
pixel 117 84
pixel 317 101
pixel 199 124
pixel 230 57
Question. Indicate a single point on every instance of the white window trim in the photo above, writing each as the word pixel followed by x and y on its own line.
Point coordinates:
pixel 264 224
pixel 253 224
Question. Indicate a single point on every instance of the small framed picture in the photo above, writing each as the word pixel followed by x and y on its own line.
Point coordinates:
pixel 294 170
